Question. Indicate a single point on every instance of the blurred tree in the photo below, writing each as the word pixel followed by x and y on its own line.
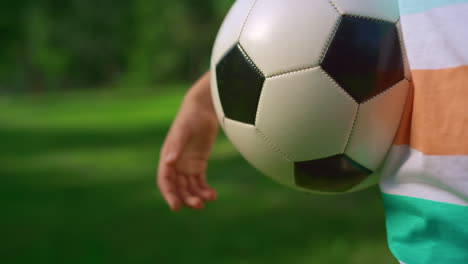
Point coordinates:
pixel 11 69
pixel 52 44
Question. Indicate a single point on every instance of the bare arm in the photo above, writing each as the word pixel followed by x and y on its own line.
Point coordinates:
pixel 184 155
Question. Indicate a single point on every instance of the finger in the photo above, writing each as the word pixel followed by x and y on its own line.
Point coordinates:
pixel 196 189
pixel 167 187
pixel 209 194
pixel 190 199
pixel 203 190
pixel 175 141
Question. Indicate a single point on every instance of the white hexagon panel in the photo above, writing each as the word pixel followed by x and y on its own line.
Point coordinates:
pixel 404 55
pixel 274 35
pixel 376 125
pixel 296 114
pixel 378 9
pixel 259 152
pixel 230 30
pixel 215 97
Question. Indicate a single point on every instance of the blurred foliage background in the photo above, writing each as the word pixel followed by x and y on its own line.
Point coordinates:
pixel 55 44
pixel 88 89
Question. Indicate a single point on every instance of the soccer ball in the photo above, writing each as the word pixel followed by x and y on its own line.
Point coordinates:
pixel 311 92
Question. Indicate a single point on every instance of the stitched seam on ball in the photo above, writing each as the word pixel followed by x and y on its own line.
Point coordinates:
pixel 356 115
pixel 341 12
pixel 381 20
pixel 240 123
pixel 403 52
pixel 246 56
pixel 265 139
pixel 273 146
pixel 375 97
pixel 246 18
pixel 369 181
pixel 337 85
pixel 330 40
pixel 259 103
pixel 336 7
pixel 292 72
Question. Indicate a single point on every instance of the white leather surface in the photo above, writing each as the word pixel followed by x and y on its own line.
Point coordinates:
pixel 403 50
pixel 381 9
pixel 376 125
pixel 306 114
pixel 215 97
pixel 259 153
pixel 286 35
pixel 229 32
pixel 372 180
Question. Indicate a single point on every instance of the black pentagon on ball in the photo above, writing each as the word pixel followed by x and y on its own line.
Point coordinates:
pixel 364 57
pixel 240 83
pixel 337 173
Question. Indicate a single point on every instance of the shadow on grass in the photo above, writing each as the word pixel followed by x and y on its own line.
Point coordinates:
pixel 51 214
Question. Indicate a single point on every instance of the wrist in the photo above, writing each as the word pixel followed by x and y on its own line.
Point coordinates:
pixel 199 95
pixel 200 92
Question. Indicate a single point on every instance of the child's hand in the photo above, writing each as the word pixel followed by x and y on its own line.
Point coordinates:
pixel 184 155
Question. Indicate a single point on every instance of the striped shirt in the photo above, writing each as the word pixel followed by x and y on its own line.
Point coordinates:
pixel 425 178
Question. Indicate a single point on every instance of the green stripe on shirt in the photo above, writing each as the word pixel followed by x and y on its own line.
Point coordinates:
pixel 422 231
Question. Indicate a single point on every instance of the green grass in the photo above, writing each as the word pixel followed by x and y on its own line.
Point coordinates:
pixel 77 186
